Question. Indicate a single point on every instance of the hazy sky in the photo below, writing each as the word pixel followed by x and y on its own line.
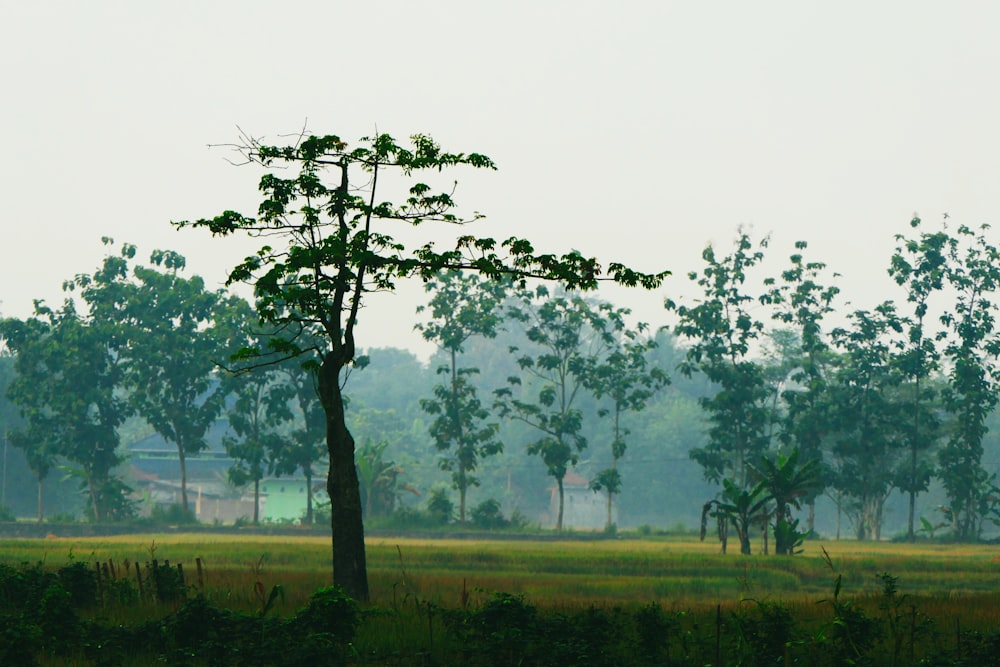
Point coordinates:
pixel 634 131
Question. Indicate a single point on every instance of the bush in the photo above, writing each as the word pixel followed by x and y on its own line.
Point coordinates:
pixel 440 507
pixel 487 515
pixel 6 514
pixel 172 515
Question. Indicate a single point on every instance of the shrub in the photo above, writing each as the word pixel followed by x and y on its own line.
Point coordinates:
pixel 81 583
pixel 439 506
pixel 487 515
pixel 6 514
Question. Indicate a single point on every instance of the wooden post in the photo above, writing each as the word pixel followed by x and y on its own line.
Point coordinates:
pixel 138 579
pixel 100 586
pixel 718 635
pixel 201 581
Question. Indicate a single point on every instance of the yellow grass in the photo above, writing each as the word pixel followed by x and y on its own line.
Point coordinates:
pixel 677 572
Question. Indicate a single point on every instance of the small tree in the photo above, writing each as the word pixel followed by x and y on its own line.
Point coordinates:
pixel 787 483
pixel 803 300
pixel 569 334
pixel 259 416
pixel 304 449
pixel 623 378
pixel 739 507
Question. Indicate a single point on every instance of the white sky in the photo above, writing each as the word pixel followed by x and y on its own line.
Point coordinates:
pixel 634 131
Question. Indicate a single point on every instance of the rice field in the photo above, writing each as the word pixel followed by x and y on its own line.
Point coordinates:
pixel 944 591
pixel 676 572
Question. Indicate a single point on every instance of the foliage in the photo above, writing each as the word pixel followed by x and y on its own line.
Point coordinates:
pixel 568 335
pixel 167 335
pixel 920 265
pixel 463 306
pixel 803 301
pixel 440 507
pixel 722 329
pixel 66 389
pixel 973 273
pixel 787 483
pixel 330 245
pixel 488 515
pixel 621 376
pixel 866 415
pixel 379 480
pixel 741 508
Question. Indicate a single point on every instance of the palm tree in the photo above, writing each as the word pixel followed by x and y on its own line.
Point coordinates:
pixel 787 484
pixel 739 507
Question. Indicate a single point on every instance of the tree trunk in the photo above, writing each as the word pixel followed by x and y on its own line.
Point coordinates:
pixel 346 522
pixel 256 502
pixel 607 526
pixel 559 519
pixel 307 471
pixel 41 512
pixel 184 488
pixel 461 502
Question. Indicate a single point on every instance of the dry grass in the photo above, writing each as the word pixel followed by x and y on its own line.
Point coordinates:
pixel 953 580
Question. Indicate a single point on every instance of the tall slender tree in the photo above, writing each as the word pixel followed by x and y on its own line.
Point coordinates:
pixel 462 306
pixel 920 266
pixel 567 334
pixel 802 301
pixel 329 245
pixel 865 413
pixel 973 273
pixel 623 378
pixel 722 328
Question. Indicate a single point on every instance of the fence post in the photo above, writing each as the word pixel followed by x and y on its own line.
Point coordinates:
pixel 718 635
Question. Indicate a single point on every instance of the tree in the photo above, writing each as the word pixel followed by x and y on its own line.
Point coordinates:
pixel 330 245
pixel 973 273
pixel 865 413
pixel 463 306
pixel 920 265
pixel 67 390
pixel 722 329
pixel 623 377
pixel 803 301
pixel 569 334
pixel 163 330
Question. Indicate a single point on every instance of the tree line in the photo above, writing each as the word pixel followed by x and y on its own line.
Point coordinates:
pixel 141 341
pixel 891 398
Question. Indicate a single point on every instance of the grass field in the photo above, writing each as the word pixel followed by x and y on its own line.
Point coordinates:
pixel 675 571
pixel 943 590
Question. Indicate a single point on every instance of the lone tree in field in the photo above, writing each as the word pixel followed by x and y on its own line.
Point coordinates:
pixel 328 244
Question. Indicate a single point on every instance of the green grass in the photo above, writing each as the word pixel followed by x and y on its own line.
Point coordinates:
pixel 410 578
pixel 625 571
